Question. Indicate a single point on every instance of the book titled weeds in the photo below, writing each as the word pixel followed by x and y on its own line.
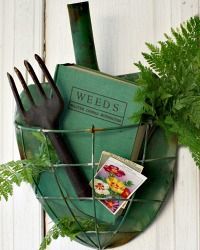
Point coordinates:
pixel 100 100
pixel 96 102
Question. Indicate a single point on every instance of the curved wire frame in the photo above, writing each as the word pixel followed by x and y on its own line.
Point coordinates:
pixel 69 200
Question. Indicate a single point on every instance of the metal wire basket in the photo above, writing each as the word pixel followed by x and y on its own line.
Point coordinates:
pixel 53 191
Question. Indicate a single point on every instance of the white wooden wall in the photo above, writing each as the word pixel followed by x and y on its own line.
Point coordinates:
pixel 121 28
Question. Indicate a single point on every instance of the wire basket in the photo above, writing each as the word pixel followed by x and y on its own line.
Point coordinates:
pixel 52 187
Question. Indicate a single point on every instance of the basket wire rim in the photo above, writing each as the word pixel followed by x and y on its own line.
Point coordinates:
pixel 91 164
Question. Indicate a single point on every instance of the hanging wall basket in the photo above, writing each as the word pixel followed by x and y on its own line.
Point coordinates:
pixel 53 188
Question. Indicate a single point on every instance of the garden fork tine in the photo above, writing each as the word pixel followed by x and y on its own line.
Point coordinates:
pixel 16 94
pixel 24 85
pixel 46 115
pixel 47 75
pixel 34 77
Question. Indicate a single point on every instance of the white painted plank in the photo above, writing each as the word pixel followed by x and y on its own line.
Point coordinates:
pixel 59 48
pixel 113 25
pixel 6 127
pixel 120 31
pixel 1 63
pixel 186 194
pixel 161 19
pixel 186 203
pixel 28 40
pixel 20 36
pixel 189 8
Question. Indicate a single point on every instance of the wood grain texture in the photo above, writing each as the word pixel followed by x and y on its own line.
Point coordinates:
pixel 21 32
pixel 121 28
pixel 6 209
pixel 186 193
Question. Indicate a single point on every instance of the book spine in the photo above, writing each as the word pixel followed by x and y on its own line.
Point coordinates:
pixel 82 35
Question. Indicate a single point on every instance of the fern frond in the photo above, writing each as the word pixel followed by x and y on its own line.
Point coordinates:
pixel 153 48
pixel 67 226
pixel 13 173
pixel 16 172
pixel 174 77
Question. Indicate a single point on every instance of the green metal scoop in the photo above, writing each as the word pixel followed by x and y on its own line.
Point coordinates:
pixel 52 187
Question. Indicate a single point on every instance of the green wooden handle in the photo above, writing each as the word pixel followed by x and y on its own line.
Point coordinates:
pixel 82 35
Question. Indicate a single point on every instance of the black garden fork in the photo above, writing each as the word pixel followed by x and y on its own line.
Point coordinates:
pixel 46 116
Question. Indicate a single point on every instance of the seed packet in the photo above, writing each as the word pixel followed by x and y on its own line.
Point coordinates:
pixel 105 155
pixel 115 182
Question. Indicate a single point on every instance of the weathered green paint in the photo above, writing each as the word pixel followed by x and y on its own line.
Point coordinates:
pixel 83 41
pixel 148 199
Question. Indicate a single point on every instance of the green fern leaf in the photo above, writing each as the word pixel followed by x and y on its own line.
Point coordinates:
pixel 69 227
pixel 171 84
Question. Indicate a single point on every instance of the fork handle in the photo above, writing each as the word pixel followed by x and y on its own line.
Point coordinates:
pixel 77 178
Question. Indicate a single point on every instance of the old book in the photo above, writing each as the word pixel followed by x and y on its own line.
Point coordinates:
pixel 100 100
pixel 139 138
pixel 96 101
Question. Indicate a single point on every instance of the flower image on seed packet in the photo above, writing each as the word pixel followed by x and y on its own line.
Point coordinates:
pixel 116 180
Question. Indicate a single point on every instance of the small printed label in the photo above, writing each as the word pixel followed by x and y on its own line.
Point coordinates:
pixel 99 106
pixel 115 183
